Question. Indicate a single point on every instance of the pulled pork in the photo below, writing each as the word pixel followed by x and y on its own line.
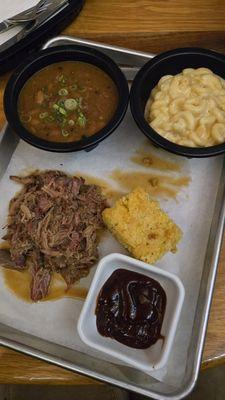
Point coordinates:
pixel 52 227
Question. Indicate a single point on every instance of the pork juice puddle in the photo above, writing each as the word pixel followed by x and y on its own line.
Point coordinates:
pixel 19 283
pixel 108 191
pixel 155 184
pixel 153 161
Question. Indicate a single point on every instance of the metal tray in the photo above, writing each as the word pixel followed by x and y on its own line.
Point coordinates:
pixel 125 377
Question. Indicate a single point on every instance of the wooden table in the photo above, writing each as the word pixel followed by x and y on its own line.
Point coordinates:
pixel 154 26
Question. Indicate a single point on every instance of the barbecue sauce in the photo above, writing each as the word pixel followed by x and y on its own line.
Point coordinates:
pixel 130 309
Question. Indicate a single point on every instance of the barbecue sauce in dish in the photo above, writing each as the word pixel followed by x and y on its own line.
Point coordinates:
pixel 130 309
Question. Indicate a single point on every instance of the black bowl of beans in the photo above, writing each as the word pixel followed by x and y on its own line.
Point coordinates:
pixel 178 101
pixel 66 99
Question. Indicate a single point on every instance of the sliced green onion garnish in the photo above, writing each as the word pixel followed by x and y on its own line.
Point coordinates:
pixel 79 100
pixel 60 119
pixel 60 77
pixel 65 133
pixel 43 115
pixel 50 118
pixel 81 120
pixel 71 122
pixel 61 103
pixel 62 111
pixel 70 104
pixel 74 86
pixel 63 92
pixel 25 118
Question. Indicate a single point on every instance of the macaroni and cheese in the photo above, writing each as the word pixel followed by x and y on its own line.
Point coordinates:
pixel 189 108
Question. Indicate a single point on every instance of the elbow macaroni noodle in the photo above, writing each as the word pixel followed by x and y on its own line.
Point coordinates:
pixel 189 108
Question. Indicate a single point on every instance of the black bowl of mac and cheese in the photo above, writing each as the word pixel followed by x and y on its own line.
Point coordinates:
pixel 178 101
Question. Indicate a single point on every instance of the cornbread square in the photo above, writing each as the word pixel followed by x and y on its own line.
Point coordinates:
pixel 141 226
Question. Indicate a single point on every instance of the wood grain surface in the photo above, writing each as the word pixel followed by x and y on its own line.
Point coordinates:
pixel 148 25
pixel 153 25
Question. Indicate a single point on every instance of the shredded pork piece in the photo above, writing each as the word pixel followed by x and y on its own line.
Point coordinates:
pixel 52 227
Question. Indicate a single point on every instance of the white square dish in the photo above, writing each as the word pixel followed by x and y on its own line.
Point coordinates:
pixel 155 356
